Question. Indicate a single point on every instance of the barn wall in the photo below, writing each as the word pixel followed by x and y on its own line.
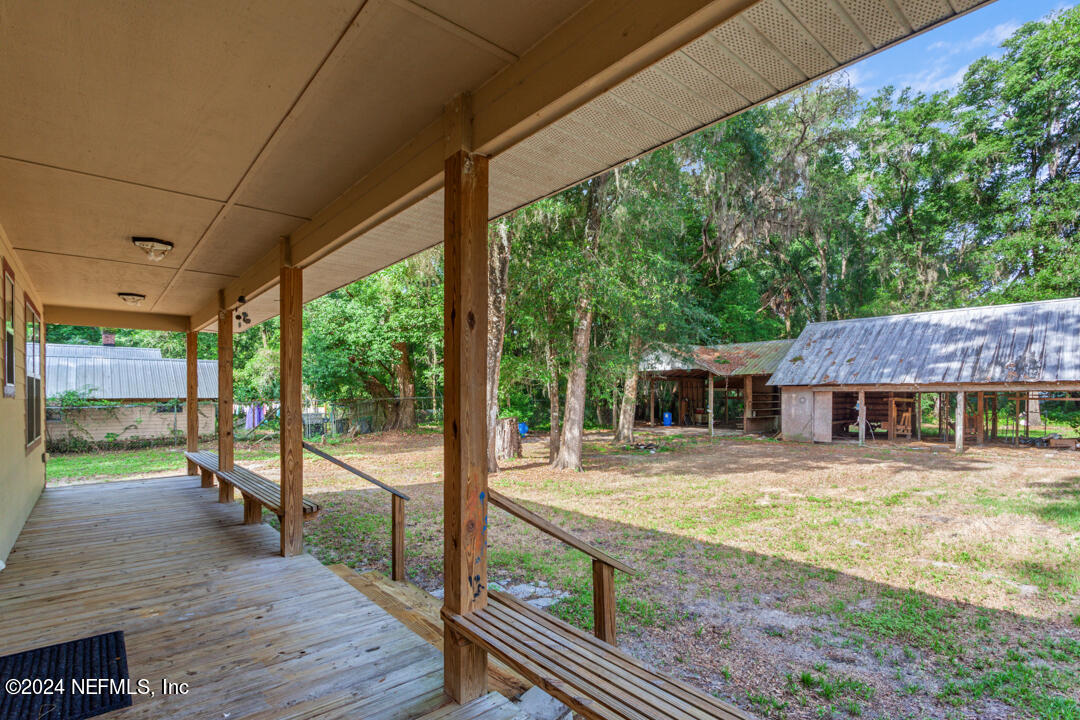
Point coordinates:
pixel 125 422
pixel 823 416
pixel 22 471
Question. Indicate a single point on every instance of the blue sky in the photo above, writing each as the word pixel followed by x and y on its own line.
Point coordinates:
pixel 936 60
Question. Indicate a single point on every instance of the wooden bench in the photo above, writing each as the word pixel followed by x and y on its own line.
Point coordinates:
pixel 591 677
pixel 257 491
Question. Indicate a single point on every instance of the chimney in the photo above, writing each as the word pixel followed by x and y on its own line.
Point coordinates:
pixel 108 338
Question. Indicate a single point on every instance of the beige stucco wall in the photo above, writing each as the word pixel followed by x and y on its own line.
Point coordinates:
pixel 127 422
pixel 22 473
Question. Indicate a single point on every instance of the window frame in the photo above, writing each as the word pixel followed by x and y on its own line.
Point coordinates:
pixel 7 382
pixel 28 308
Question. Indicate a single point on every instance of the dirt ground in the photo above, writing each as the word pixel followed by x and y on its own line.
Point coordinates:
pixel 798 581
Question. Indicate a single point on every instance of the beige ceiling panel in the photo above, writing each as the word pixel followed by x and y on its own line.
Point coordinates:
pixel 666 80
pixel 388 80
pixel 774 21
pixel 239 239
pixel 85 282
pixel 58 211
pixel 921 13
pixel 633 93
pixel 829 24
pixel 713 56
pixel 742 39
pixel 190 292
pixel 515 25
pixel 875 20
pixel 174 95
pixel 681 68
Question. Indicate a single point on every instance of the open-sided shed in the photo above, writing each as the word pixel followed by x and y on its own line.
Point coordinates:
pixel 739 372
pixel 872 371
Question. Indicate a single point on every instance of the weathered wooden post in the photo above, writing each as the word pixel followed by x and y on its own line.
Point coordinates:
pixel 980 419
pixel 464 430
pixel 960 410
pixel 862 417
pixel 397 538
pixel 711 433
pixel 604 601
pixel 291 289
pixel 225 397
pixel 191 400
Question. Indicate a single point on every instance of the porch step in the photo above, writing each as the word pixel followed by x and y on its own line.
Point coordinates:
pixel 492 706
pixel 418 610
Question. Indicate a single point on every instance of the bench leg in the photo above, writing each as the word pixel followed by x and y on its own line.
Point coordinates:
pixel 225 492
pixel 252 511
pixel 207 478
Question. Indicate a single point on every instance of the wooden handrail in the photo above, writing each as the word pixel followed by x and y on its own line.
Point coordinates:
pixel 603 565
pixel 397 513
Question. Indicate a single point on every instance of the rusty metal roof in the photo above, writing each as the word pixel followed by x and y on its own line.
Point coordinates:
pixel 1036 342
pixel 735 359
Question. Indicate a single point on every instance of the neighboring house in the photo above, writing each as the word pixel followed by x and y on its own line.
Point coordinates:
pixel 982 355
pixel 736 374
pixel 142 394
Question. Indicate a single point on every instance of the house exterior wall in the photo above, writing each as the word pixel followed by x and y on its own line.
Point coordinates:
pixel 123 422
pixel 22 470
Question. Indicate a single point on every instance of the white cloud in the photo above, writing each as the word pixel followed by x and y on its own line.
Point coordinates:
pixel 991 37
pixel 934 79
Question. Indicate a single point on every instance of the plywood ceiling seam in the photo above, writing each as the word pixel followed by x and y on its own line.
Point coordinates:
pixel 455 29
pixel 253 165
pixel 108 260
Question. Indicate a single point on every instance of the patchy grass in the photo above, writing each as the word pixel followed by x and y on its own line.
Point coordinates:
pixel 798 581
pixel 122 464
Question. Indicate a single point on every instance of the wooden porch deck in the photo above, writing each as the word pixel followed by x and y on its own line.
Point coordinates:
pixel 206 600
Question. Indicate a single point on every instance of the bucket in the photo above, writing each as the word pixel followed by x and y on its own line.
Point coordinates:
pixel 667 419
pixel 523 429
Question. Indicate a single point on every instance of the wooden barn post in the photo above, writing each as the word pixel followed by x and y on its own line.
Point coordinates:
pixel 960 411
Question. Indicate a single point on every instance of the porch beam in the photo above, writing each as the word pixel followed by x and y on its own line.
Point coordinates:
pixel 225 389
pixel 191 404
pixel 605 43
pixel 464 425
pixel 91 317
pixel 292 427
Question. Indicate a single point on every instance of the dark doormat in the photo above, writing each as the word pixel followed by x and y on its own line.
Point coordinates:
pixel 67 681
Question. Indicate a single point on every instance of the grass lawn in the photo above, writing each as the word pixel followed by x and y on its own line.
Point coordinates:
pixel 800 581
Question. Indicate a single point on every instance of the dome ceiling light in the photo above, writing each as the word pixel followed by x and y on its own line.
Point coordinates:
pixel 155 249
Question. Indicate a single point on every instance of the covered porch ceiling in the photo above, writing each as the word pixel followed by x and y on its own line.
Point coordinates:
pixel 224 127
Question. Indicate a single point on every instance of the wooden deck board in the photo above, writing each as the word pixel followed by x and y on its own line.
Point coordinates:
pixel 206 600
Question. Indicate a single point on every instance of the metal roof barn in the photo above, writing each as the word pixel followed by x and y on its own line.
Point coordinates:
pixel 732 360
pixel 112 378
pixel 1021 345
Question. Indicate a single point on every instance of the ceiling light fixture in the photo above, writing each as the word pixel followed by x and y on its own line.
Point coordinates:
pixel 132 298
pixel 155 249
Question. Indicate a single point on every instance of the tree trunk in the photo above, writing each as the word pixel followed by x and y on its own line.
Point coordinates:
pixel 498 280
pixel 507 439
pixel 624 433
pixel 406 388
pixel 385 399
pixel 553 397
pixel 569 457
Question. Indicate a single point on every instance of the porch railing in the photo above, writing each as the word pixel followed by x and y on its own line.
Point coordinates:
pixel 603 565
pixel 397 512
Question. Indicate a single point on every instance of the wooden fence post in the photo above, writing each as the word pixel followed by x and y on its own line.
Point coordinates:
pixel 397 538
pixel 604 601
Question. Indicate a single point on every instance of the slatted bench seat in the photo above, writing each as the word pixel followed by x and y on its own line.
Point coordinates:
pixel 257 491
pixel 591 677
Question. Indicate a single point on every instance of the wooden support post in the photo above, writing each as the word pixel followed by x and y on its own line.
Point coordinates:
pixel 225 389
pixel 748 402
pixel 464 426
pixel 207 478
pixel 994 416
pixel 960 409
pixel 292 419
pixel 916 416
pixel 862 417
pixel 652 401
pixel 892 417
pixel 980 419
pixel 225 492
pixel 252 510
pixel 397 538
pixel 1016 437
pixel 604 601
pixel 711 433
pixel 191 401
pixel 941 417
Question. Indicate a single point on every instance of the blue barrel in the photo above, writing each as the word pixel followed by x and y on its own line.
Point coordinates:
pixel 523 429
pixel 667 418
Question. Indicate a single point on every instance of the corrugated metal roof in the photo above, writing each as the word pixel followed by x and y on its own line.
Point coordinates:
pixel 1037 342
pixel 65 350
pixel 735 359
pixel 105 378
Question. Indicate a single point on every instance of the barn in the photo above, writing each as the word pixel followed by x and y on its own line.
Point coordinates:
pixel 848 378
pixel 715 385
